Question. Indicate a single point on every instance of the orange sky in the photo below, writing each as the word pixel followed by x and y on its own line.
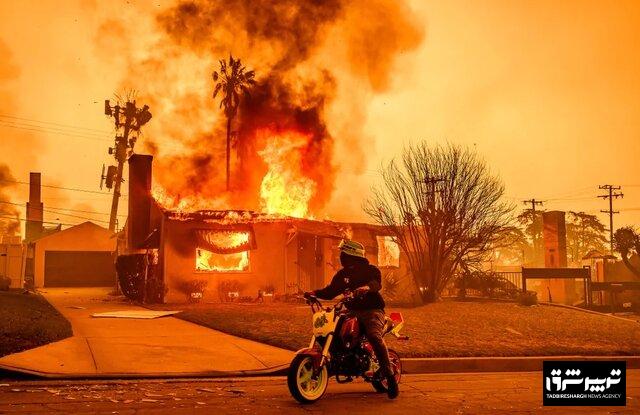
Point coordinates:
pixel 548 93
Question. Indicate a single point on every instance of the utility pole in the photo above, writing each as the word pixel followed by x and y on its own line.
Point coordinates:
pixel 610 195
pixel 536 244
pixel 134 118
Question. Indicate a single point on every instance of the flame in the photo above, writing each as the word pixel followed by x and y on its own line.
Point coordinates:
pixel 210 261
pixel 285 190
pixel 186 204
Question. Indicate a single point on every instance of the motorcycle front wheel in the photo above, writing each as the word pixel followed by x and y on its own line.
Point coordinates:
pixel 396 366
pixel 303 385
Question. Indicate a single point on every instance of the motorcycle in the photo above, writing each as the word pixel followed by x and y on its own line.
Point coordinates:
pixel 339 348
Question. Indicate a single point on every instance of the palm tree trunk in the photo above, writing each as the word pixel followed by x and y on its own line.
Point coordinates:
pixel 228 149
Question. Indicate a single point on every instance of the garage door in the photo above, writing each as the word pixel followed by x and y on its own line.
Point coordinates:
pixel 79 269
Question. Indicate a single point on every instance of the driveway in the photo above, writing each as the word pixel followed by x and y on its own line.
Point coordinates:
pixel 117 347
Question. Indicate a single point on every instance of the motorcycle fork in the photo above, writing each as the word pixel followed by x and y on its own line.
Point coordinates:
pixel 325 350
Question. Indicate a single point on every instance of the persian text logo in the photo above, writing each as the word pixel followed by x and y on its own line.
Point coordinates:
pixel 585 383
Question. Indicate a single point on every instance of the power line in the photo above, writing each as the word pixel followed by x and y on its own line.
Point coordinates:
pixel 50 223
pixel 54 128
pixel 59 187
pixel 57 208
pixel 57 213
pixel 83 211
pixel 3 124
pixel 53 123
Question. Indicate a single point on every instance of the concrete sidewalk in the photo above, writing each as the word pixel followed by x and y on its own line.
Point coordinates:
pixel 111 347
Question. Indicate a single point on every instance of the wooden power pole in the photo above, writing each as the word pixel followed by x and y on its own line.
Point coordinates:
pixel 127 119
pixel 611 194
pixel 536 242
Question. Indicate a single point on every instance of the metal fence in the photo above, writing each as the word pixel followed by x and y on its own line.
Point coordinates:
pixel 513 277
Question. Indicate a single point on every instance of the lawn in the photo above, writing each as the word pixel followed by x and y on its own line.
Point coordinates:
pixel 27 321
pixel 444 329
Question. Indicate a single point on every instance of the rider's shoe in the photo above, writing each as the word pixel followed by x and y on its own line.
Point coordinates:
pixel 392 387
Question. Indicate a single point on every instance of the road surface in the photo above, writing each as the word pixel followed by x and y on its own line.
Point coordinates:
pixel 476 393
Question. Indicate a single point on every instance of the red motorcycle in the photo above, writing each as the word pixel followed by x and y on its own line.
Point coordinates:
pixel 339 348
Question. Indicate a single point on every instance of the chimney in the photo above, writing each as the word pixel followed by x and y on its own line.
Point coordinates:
pixel 33 228
pixel 139 199
pixel 554 232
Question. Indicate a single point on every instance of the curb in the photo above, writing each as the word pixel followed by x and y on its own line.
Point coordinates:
pixel 412 366
pixel 497 364
pixel 584 310
pixel 16 372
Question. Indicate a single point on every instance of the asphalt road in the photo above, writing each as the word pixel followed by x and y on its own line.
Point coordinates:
pixel 476 393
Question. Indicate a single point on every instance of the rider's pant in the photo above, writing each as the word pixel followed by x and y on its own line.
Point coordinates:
pixel 374 322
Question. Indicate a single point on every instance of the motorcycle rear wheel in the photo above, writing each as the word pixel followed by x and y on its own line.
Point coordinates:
pixel 396 366
pixel 303 386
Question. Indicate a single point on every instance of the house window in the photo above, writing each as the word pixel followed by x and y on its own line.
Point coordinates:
pixel 212 262
pixel 222 251
pixel 388 252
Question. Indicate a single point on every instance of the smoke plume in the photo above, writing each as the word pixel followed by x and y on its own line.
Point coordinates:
pixel 312 59
pixel 9 222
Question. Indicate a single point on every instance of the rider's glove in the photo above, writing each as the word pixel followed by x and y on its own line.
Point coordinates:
pixel 309 294
pixel 360 291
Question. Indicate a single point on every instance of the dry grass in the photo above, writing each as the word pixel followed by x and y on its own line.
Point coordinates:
pixel 447 328
pixel 27 321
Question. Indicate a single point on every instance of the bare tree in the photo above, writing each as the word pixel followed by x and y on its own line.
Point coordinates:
pixel 443 207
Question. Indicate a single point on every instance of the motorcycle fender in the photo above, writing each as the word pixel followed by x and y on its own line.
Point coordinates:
pixel 314 353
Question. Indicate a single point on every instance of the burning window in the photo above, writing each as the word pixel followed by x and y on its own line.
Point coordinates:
pixel 222 251
pixel 388 252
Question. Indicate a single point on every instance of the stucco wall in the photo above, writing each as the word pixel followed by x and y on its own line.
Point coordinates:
pixel 11 263
pixel 84 237
pixel 266 263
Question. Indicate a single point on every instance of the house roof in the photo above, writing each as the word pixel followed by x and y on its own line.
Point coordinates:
pixel 80 226
pixel 595 254
pixel 234 217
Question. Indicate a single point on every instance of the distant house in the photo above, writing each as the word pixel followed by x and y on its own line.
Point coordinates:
pixel 238 253
pixel 79 256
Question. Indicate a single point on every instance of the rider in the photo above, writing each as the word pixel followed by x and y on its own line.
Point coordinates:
pixel 365 281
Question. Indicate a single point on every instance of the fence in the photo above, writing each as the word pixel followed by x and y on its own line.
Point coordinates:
pixel 513 277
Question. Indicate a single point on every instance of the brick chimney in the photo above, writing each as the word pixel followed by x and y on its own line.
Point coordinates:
pixel 33 228
pixel 140 166
pixel 554 232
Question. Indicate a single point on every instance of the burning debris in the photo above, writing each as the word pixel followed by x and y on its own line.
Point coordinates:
pixel 288 137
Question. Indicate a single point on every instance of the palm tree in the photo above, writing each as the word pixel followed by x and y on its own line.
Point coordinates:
pixel 233 80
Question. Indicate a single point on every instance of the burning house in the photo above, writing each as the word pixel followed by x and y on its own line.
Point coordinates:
pixel 174 255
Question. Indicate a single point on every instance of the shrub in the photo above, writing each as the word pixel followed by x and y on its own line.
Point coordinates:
pixel 269 289
pixel 488 284
pixel 5 283
pixel 528 298
pixel 189 287
pixel 228 286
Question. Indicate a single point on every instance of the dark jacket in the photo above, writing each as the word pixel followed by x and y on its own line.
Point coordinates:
pixel 356 274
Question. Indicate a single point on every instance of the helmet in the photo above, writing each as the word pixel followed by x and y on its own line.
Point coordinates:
pixel 352 248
